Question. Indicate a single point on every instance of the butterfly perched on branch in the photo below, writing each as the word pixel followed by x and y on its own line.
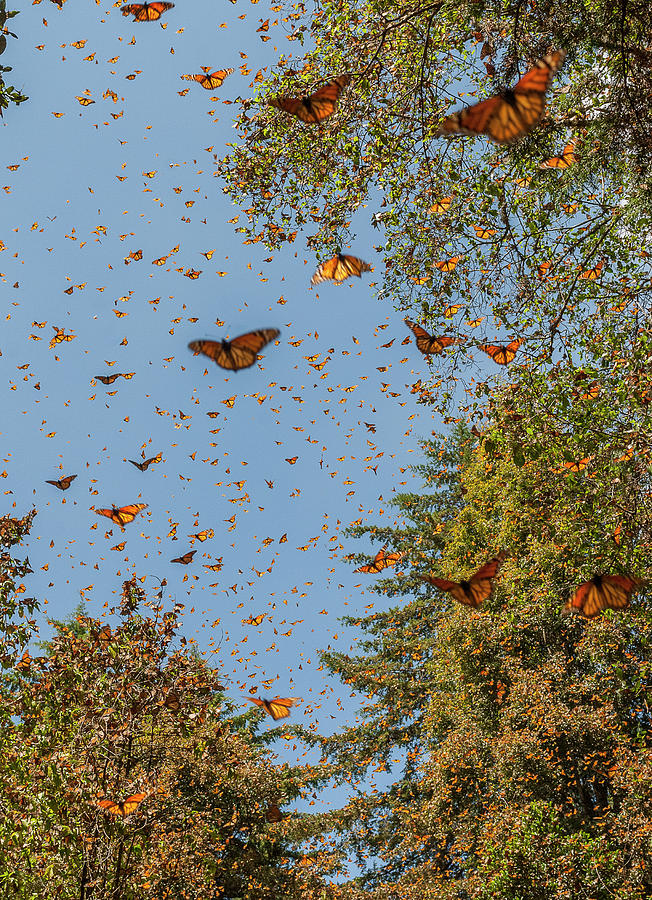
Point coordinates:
pixel 315 107
pixel 240 353
pixel 145 12
pixel 510 115
pixel 339 268
pixel 427 343
pixel 477 589
pixel 122 515
pixel 62 483
pixel 278 708
pixel 603 592
pixel 382 560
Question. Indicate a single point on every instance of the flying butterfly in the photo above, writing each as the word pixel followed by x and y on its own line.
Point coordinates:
pixel 122 515
pixel 427 343
pixel 339 268
pixel 502 354
pixel 240 353
pixel 314 107
pixel 603 592
pixel 564 161
pixel 477 589
pixel 382 560
pixel 145 12
pixel 186 559
pixel 278 708
pixel 254 620
pixel 109 379
pixel 122 807
pixel 510 115
pixel 210 81
pixel 146 463
pixel 62 483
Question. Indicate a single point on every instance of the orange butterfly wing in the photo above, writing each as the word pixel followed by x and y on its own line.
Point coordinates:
pixel 382 560
pixel 474 591
pixel 145 12
pixel 122 807
pixel 339 268
pixel 502 354
pixel 278 708
pixel 240 353
pixel 603 592
pixel 427 343
pixel 122 515
pixel 315 107
pixel 509 116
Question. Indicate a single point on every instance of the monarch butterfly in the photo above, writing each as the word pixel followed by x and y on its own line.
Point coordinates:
pixel 274 814
pixel 146 463
pixel 186 559
pixel 603 592
pixel 109 379
pixel 502 354
pixel 278 708
pixel 382 560
pixel 145 12
pixel 122 515
pixel 122 807
pixel 103 636
pixel 172 701
pixel 566 159
pixel 314 107
pixel 339 268
pixel 510 115
pixel 62 483
pixel 240 353
pixel 201 536
pixel 428 344
pixel 574 466
pixel 210 81
pixel 254 620
pixel 474 591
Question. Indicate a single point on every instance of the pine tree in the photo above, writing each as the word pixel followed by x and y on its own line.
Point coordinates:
pixel 503 752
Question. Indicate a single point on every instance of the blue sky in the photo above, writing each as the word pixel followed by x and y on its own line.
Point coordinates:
pixel 68 220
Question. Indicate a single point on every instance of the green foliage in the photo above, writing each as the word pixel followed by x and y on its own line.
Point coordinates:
pixel 113 711
pixel 526 238
pixel 505 751
pixel 8 93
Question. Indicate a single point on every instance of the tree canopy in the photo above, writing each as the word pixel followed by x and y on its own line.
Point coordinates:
pixel 487 240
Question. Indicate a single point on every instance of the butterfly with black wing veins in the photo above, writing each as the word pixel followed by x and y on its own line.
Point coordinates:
pixel 382 560
pixel 240 353
pixel 510 115
pixel 122 515
pixel 146 12
pixel 474 591
pixel 124 807
pixel 339 268
pixel 603 592
pixel 427 343
pixel 316 107
pixel 278 708
pixel 503 354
